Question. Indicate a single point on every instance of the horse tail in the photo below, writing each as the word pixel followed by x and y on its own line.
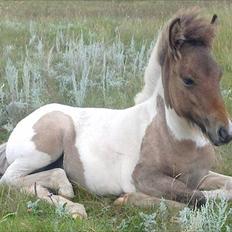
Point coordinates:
pixel 3 161
pixel 151 76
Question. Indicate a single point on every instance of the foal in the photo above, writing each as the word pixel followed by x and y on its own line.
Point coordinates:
pixel 158 148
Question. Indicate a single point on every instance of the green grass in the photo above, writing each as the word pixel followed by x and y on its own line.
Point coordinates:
pixel 105 20
pixel 103 216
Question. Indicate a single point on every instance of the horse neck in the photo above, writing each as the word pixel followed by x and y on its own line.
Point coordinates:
pixel 180 128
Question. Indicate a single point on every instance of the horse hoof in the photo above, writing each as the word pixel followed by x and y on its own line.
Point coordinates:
pixel 77 211
pixel 121 200
pixel 79 216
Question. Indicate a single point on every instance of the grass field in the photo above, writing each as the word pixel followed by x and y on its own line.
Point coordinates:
pixel 90 53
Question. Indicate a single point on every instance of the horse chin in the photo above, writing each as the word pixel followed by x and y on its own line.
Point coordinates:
pixel 217 142
pixel 214 141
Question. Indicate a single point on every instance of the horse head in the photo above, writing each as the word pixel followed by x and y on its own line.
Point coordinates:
pixel 191 76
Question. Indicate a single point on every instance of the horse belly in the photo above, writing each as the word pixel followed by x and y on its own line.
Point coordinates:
pixel 106 172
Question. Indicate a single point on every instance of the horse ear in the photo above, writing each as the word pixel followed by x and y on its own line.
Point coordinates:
pixel 214 19
pixel 176 38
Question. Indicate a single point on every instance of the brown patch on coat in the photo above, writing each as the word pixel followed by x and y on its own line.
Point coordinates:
pixel 55 135
pixel 168 167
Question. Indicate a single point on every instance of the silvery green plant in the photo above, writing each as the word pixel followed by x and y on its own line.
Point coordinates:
pixel 11 75
pixel 163 215
pixel 149 223
pixel 156 221
pixel 61 210
pixel 68 68
pixel 211 218
pixel 33 207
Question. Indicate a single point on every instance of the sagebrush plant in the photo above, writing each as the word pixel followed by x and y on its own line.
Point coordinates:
pixel 70 70
pixel 33 207
pixel 212 217
pixel 149 223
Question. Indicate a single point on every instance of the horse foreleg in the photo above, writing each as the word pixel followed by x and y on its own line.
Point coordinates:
pixel 143 200
pixel 159 185
pixel 215 185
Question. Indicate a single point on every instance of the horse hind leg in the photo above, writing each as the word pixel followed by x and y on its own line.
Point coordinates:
pixel 56 180
pixel 74 209
pixel 18 174
pixel 24 165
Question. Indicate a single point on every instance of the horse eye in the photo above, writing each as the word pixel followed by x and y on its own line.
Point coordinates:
pixel 188 81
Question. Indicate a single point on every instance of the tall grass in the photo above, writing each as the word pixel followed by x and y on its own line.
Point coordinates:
pixel 69 70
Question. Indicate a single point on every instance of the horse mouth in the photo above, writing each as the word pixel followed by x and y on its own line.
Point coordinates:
pixel 219 141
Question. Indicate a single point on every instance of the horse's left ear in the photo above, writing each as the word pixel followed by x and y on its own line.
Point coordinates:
pixel 176 37
pixel 214 19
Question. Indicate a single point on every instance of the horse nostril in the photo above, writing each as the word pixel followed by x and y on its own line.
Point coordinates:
pixel 223 134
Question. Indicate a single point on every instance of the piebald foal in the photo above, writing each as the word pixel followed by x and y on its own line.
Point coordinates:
pixel 158 148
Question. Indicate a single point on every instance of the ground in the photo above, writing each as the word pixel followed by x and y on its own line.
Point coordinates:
pixel 90 53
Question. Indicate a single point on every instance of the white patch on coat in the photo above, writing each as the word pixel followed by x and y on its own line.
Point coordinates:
pixel 182 130
pixel 109 143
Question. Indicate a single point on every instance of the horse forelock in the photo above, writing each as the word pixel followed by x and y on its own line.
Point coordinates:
pixel 194 30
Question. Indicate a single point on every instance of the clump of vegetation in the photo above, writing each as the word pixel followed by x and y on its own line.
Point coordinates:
pixel 68 72
pixel 33 207
pixel 212 217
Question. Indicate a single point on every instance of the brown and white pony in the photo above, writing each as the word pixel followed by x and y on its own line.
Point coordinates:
pixel 160 148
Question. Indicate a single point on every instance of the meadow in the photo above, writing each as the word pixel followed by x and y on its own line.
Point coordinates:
pixel 94 53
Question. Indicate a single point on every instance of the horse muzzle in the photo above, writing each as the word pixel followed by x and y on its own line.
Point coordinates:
pixel 220 135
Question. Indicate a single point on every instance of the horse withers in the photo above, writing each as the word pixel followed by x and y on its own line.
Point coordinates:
pixel 159 148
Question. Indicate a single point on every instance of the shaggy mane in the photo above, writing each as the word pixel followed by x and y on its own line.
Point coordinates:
pixel 195 29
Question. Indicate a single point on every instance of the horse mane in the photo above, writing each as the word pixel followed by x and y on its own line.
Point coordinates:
pixel 193 29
